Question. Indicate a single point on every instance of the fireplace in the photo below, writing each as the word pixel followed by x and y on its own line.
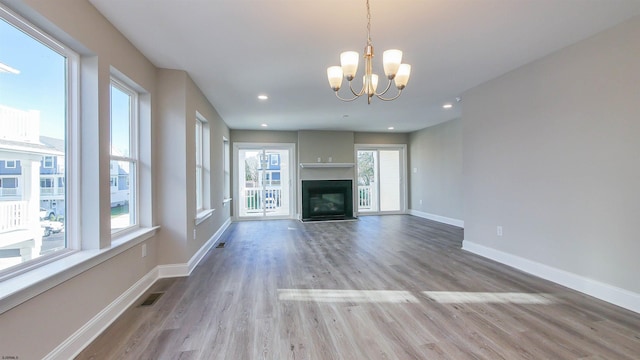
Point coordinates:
pixel 327 200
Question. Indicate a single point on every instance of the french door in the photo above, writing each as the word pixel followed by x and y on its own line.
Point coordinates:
pixel 264 179
pixel 381 179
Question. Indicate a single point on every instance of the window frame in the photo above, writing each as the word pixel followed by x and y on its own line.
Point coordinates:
pixel 44 162
pixel 13 164
pixel 199 163
pixel 134 154
pixel 226 169
pixel 72 164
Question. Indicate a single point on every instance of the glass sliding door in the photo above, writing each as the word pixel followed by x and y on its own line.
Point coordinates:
pixel 264 179
pixel 381 187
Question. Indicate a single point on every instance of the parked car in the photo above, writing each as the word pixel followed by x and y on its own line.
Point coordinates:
pixel 51 227
pixel 47 214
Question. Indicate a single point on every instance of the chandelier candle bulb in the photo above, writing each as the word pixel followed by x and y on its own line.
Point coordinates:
pixel 334 73
pixel 402 77
pixel 391 60
pixel 349 61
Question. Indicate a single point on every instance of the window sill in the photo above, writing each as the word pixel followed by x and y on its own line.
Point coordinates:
pixel 203 215
pixel 16 290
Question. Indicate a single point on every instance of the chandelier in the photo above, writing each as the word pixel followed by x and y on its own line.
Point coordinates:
pixel 393 70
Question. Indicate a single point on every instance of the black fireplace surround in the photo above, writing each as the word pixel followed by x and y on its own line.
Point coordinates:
pixel 327 200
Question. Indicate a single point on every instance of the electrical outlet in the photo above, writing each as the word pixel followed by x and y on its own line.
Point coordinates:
pixel 144 250
pixel 499 230
pixel 415 170
pixel 194 234
pixel 420 201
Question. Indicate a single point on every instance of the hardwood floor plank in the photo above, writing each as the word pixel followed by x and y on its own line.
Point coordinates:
pixel 382 287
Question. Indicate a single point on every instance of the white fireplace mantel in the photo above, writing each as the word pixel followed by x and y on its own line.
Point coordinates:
pixel 326 165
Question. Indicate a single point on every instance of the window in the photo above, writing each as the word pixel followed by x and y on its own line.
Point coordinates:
pixel 37 80
pixel 202 169
pixel 124 156
pixel 227 168
pixel 47 162
pixel 46 186
pixel 199 172
pixel 8 188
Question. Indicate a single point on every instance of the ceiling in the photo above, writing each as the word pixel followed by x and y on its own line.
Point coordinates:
pixel 235 50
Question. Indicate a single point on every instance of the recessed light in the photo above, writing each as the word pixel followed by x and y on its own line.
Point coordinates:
pixel 263 97
pixel 447 106
pixel 390 128
pixel 264 125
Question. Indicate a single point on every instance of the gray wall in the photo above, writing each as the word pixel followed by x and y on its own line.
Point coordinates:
pixel 37 326
pixel 435 170
pixel 381 138
pixel 551 153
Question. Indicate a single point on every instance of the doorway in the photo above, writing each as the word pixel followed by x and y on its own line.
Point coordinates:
pixel 381 179
pixel 263 177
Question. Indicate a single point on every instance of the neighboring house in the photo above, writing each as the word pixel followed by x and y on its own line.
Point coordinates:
pixel 21 158
pixel 52 179
pixel 272 171
pixel 119 180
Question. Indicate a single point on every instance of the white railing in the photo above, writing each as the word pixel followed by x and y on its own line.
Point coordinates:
pixel 364 197
pixel 20 125
pixel 254 200
pixel 13 215
pixel 9 192
pixel 51 191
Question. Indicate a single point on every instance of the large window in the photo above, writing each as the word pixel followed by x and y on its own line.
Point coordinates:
pixel 203 168
pixel 199 167
pixel 226 158
pixel 124 156
pixel 36 82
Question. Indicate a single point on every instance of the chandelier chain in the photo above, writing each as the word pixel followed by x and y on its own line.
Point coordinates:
pixel 368 24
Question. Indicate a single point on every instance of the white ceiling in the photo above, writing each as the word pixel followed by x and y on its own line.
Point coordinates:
pixel 237 49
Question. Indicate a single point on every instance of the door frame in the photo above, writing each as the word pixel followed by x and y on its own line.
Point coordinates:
pixel 291 147
pixel 403 175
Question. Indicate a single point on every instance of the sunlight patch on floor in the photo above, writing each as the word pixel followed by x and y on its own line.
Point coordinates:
pixel 356 296
pixel 463 297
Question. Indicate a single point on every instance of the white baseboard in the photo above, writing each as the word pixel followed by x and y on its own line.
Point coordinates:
pixel 612 294
pixel 438 218
pixel 71 347
pixel 197 257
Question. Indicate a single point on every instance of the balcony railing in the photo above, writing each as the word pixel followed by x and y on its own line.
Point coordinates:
pixel 13 215
pixel 6 192
pixel 253 198
pixel 51 191
pixel 364 197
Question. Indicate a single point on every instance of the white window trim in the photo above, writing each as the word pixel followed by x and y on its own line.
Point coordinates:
pixel 13 166
pixel 72 225
pixel 199 159
pixel 44 162
pixel 41 277
pixel 226 169
pixel 133 158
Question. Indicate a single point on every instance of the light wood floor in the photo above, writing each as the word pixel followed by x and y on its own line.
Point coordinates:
pixel 391 287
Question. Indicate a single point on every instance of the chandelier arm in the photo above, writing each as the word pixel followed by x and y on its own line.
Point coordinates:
pixel 346 100
pixel 357 94
pixel 389 99
pixel 385 90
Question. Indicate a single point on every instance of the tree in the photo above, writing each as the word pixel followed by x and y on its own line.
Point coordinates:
pixel 366 165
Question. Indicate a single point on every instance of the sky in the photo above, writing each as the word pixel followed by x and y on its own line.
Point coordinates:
pixel 40 85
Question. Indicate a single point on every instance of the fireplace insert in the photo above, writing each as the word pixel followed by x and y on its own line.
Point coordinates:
pixel 327 200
